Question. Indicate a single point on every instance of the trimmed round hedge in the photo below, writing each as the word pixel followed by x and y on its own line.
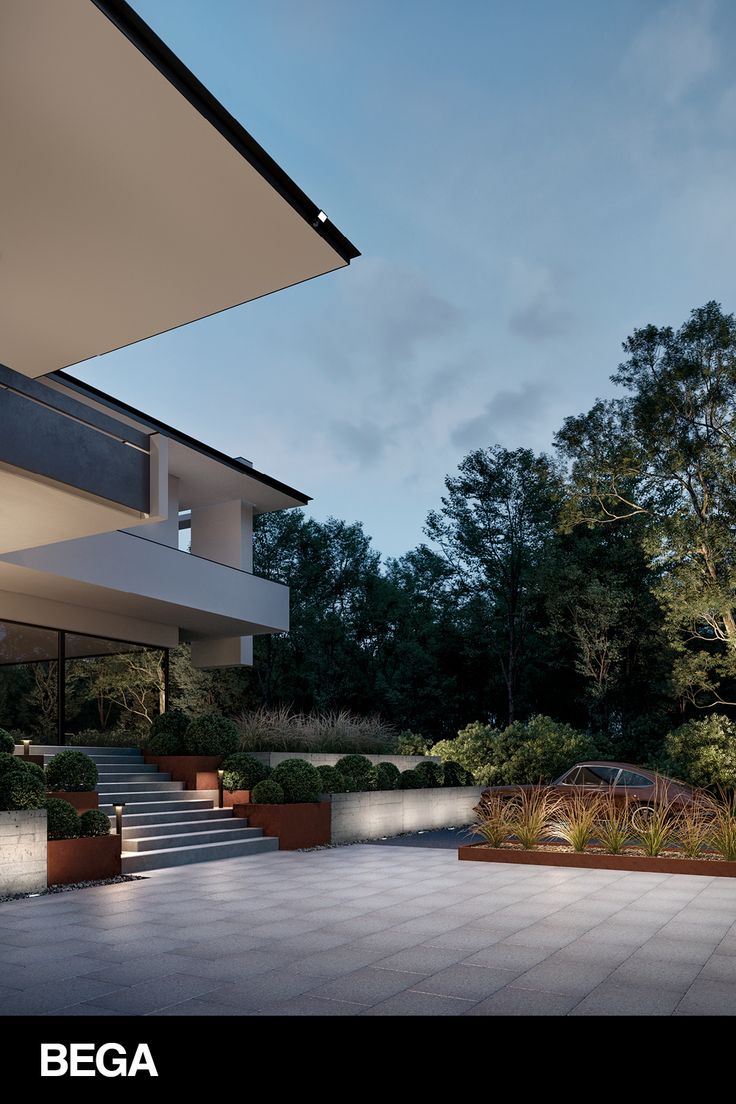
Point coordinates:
pixel 389 776
pixel 22 785
pixel 432 774
pixel 167 733
pixel 243 771
pixel 7 743
pixel 359 771
pixel 267 792
pixel 62 819
pixel 333 781
pixel 94 823
pixel 299 780
pixel 455 775
pixel 411 780
pixel 71 770
pixel 211 734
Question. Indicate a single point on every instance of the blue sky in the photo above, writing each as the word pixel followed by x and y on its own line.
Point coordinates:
pixel 527 180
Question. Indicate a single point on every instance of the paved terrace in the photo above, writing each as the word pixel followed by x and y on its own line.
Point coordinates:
pixel 374 930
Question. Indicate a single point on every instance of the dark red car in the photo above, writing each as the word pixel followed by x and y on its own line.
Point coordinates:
pixel 636 785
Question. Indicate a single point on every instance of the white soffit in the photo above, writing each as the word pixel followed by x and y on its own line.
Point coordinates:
pixel 124 212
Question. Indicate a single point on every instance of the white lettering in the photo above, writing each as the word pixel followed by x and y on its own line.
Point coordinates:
pixel 82 1054
pixel 53 1060
pixel 143 1060
pixel 117 1066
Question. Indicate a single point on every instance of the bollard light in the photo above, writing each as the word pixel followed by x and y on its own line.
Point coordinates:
pixel 119 817
pixel 26 747
pixel 220 776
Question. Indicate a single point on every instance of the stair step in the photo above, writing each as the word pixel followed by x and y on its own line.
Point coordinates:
pixel 112 777
pixel 149 806
pixel 190 839
pixel 174 826
pixel 138 787
pixel 177 815
pixel 134 862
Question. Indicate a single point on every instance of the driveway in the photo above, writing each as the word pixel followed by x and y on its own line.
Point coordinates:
pixel 374 930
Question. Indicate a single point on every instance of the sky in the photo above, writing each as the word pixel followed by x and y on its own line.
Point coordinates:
pixel 527 181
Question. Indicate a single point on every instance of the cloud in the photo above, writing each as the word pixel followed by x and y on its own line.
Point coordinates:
pixel 541 311
pixel 673 51
pixel 363 442
pixel 507 415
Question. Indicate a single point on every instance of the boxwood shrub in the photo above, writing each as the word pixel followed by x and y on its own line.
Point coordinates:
pixel 63 820
pixel 432 774
pixel 299 780
pixel 211 734
pixel 267 792
pixel 359 771
pixel 411 780
pixel 243 771
pixel 167 733
pixel 389 776
pixel 7 743
pixel 333 781
pixel 455 775
pixel 71 770
pixel 94 823
pixel 22 785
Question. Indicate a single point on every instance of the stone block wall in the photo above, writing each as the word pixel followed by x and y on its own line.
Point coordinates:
pixel 23 851
pixel 360 816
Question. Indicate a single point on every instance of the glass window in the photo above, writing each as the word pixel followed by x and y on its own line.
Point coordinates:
pixel 569 779
pixel 631 778
pixel 597 775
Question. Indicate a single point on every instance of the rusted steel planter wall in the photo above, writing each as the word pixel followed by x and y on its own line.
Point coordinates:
pixel 300 825
pixel 82 800
pixel 198 772
pixel 592 861
pixel 88 859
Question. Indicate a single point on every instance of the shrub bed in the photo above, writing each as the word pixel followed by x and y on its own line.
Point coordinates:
pixel 71 770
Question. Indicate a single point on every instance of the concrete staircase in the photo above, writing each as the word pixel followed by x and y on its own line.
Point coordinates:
pixel 164 824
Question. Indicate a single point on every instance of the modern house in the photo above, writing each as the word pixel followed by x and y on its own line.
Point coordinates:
pixel 131 202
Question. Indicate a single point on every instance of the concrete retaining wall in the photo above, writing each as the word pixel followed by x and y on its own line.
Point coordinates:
pixel 23 851
pixel 360 816
pixel 329 759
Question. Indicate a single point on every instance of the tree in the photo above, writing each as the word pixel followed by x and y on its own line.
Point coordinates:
pixel 665 455
pixel 496 519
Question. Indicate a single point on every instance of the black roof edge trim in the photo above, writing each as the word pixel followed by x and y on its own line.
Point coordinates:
pixel 176 72
pixel 177 435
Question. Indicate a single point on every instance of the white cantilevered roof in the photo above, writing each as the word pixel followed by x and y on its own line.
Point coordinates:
pixel 131 202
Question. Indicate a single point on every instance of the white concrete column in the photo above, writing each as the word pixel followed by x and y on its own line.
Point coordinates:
pixel 167 531
pixel 230 651
pixel 223 532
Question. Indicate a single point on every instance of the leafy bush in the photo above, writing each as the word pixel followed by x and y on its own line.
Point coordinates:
pixel 211 734
pixel 299 780
pixel 63 821
pixel 243 772
pixel 94 823
pixel 114 737
pixel 71 770
pixel 410 743
pixel 267 792
pixel 432 773
pixel 537 750
pixel 389 776
pixel 167 733
pixel 410 780
pixel 359 772
pixel 7 743
pixel 455 775
pixel 703 752
pixel 332 780
pixel 22 785
pixel 284 730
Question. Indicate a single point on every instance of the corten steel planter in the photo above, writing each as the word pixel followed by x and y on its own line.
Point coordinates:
pixel 300 825
pixel 82 800
pixel 89 859
pixel 198 772
pixel 712 868
pixel 230 798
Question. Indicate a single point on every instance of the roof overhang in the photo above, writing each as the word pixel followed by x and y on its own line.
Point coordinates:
pixel 131 201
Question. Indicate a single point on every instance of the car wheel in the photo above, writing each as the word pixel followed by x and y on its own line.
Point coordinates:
pixel 641 816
